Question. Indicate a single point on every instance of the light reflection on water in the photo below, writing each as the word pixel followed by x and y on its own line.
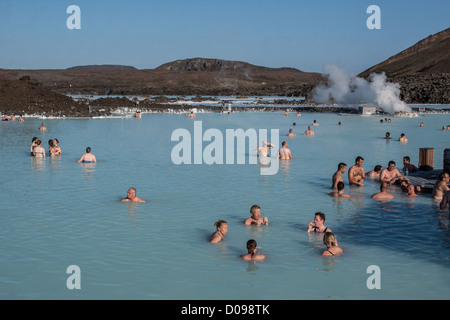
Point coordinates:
pixel 57 212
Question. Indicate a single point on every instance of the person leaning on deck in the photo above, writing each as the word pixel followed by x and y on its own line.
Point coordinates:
pixel 408 165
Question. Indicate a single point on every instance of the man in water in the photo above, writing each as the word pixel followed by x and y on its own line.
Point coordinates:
pixel 403 138
pixel 284 153
pixel 440 187
pixel 390 174
pixel 340 191
pixel 356 174
pixel 309 132
pixel 255 217
pixel 409 166
pixel 375 173
pixel 411 190
pixel 264 149
pixel 337 176
pixel 87 157
pixel 42 127
pixel 291 134
pixel 131 196
pixel 383 194
pixel 387 136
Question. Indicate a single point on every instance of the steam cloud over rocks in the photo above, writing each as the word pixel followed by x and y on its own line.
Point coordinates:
pixel 346 90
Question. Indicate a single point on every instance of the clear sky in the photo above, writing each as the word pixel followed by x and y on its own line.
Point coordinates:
pixel 306 35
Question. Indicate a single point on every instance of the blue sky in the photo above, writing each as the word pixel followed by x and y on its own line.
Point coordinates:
pixel 306 35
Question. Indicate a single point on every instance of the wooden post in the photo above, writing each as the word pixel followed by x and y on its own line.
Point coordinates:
pixel 426 158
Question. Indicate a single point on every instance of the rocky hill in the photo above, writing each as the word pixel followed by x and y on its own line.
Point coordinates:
pixel 422 70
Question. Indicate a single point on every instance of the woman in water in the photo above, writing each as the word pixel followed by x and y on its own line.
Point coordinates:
pixel 251 255
pixel 222 229
pixel 33 144
pixel 38 151
pixel 318 224
pixel 87 157
pixel 57 148
pixel 332 247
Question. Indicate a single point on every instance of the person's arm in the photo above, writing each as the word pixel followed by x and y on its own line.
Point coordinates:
pixel 81 159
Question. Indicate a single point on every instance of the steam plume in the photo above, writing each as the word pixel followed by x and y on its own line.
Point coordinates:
pixel 346 90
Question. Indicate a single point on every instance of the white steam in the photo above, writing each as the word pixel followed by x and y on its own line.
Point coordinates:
pixel 346 90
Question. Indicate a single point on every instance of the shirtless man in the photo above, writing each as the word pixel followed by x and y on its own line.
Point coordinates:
pixel 375 173
pixel 445 201
pixel 42 127
pixel 255 217
pixel 192 115
pixel 337 176
pixel 340 191
pixel 403 138
pixel 131 196
pixel 284 153
pixel 291 134
pixel 411 190
pixel 264 149
pixel 383 192
pixel 356 174
pixel 390 174
pixel 38 151
pixel 87 157
pixel 440 187
pixel 309 132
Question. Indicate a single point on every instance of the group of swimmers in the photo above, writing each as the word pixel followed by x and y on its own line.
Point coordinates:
pixel 54 149
pixel 387 176
pixel 316 225
pixel 38 151
pixel 12 118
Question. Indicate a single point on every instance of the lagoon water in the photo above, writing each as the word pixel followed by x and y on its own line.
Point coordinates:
pixel 57 213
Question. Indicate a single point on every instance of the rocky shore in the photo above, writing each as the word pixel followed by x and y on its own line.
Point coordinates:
pixel 28 97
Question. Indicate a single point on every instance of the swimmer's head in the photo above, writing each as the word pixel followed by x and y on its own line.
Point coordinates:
pixel 340 186
pixel 329 239
pixel 255 211
pixel 88 149
pixel 251 246
pixel 319 215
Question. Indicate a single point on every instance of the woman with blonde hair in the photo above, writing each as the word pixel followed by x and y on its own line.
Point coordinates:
pixel 251 255
pixel 332 247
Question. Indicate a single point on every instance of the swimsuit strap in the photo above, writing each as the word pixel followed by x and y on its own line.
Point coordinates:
pixel 331 252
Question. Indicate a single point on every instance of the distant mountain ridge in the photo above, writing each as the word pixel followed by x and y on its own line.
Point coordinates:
pixel 101 67
pixel 205 64
pixel 429 55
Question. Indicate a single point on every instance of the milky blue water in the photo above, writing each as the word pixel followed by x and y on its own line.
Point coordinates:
pixel 57 213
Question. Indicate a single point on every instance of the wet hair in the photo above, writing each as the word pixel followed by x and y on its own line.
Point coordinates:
pixel 34 139
pixel 254 207
pixel 383 186
pixel 50 142
pixel 321 215
pixel 359 158
pixel 407 158
pixel 329 239
pixel 442 175
pixel 341 165
pixel 340 186
pixel 391 162
pixel 377 168
pixel 219 223
pixel 283 143
pixel 38 142
pixel 251 247
pixel 88 149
